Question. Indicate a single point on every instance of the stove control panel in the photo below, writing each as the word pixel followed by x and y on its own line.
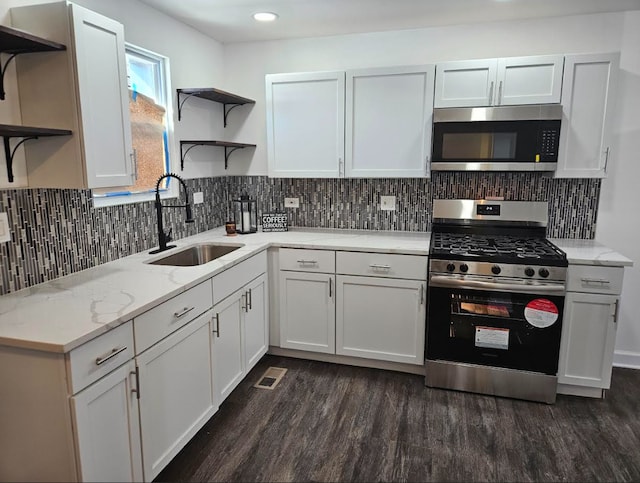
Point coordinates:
pixel 506 270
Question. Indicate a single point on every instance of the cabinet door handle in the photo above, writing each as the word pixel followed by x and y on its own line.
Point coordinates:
pixel 134 162
pixel 616 312
pixel 499 93
pixel 340 167
pixel 330 284
pixel 606 159
pixel 183 312
pixel 217 329
pixel 426 165
pixel 137 388
pixel 377 266
pixel 307 262
pixel 250 301
pixel 601 281
pixel 114 352
pixel 421 294
pixel 491 93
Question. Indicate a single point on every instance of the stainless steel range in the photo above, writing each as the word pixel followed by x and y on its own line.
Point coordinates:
pixel 496 296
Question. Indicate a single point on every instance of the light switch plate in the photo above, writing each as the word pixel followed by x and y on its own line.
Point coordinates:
pixel 388 203
pixel 5 234
pixel 292 202
pixel 198 198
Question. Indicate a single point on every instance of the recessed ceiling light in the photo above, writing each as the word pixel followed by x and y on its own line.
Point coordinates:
pixel 265 16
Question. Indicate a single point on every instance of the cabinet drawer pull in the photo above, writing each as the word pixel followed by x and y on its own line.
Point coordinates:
pixel 114 352
pixel 376 266
pixel 182 313
pixel 308 262
pixel 601 281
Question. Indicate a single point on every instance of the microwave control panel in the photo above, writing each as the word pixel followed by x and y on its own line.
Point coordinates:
pixel 549 141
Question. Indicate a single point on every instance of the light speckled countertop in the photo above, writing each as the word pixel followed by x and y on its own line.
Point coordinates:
pixel 62 314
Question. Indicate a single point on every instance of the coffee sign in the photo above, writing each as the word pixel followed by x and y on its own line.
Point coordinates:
pixel 275 222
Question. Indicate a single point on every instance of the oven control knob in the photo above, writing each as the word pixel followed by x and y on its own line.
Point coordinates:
pixel 496 270
pixel 464 268
pixel 529 272
pixel 451 267
pixel 544 273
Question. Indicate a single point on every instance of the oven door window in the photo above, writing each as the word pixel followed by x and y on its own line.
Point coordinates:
pixel 513 330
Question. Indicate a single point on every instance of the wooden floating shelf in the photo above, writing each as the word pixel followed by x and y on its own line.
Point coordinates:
pixel 214 95
pixel 228 146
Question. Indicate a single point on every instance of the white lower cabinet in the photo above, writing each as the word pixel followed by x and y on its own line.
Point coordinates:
pixel 589 329
pixel 381 318
pixel 256 322
pixel 176 392
pixel 107 425
pixel 307 311
pixel 228 357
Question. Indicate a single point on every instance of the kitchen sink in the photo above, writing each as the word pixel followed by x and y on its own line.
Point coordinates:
pixel 196 255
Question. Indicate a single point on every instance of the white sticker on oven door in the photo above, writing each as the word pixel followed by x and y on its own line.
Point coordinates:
pixel 492 337
pixel 541 313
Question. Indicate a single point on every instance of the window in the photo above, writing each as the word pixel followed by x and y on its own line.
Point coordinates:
pixel 147 75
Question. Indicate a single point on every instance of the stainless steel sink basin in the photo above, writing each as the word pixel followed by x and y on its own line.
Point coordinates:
pixel 196 255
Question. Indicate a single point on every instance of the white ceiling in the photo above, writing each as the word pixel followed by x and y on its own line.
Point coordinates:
pixel 231 20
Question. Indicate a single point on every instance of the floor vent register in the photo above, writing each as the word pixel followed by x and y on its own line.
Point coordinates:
pixel 271 378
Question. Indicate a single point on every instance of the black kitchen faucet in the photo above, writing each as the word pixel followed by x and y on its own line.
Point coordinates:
pixel 164 238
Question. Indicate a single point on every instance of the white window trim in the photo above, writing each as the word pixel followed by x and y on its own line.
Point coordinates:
pixel 174 156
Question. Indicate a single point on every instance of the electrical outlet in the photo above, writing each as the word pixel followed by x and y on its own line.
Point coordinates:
pixel 5 234
pixel 388 203
pixel 198 198
pixel 292 202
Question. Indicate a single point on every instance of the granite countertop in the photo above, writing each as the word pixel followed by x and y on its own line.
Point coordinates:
pixel 590 252
pixel 61 314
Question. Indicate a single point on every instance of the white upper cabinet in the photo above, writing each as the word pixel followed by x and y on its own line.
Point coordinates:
pixel 83 89
pixel 588 97
pixel 388 121
pixel 305 124
pixel 499 82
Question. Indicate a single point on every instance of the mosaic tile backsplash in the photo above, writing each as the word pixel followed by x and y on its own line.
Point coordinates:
pixel 58 232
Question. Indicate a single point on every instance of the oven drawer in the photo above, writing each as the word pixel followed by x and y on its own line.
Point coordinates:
pixel 413 267
pixel 595 279
pixel 303 260
pixel 99 356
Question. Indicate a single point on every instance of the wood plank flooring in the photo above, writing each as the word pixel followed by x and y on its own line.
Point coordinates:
pixel 328 422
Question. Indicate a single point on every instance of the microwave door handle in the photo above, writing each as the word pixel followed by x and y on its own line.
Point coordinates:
pixel 444 281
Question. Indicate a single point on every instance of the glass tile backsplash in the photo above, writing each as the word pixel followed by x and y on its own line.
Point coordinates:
pixel 58 232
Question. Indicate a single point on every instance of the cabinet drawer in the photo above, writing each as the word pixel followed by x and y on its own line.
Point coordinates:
pixel 160 321
pixel 227 282
pixel 412 267
pixel 595 279
pixel 98 357
pixel 303 260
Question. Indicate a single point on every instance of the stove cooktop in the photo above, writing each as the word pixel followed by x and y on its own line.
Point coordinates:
pixel 496 248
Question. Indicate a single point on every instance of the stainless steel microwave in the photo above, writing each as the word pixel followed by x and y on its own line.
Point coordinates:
pixel 512 138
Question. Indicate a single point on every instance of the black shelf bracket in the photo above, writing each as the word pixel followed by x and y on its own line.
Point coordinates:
pixel 227 152
pixel 229 147
pixel 184 153
pixel 227 111
pixel 180 104
pixel 9 153
pixel 3 69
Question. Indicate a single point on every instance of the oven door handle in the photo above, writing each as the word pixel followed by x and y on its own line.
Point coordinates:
pixel 444 281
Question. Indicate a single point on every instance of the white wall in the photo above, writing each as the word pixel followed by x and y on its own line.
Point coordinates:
pixel 247 63
pixel 195 61
pixel 618 215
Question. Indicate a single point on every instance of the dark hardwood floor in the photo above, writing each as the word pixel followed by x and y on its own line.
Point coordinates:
pixel 328 422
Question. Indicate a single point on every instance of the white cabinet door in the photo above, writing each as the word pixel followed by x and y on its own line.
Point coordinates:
pixel 307 311
pixel 228 354
pixel 104 98
pixel 588 97
pixel 465 83
pixel 305 124
pixel 588 339
pixel 176 392
pixel 388 121
pixel 381 318
pixel 529 80
pixel 256 322
pixel 107 428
